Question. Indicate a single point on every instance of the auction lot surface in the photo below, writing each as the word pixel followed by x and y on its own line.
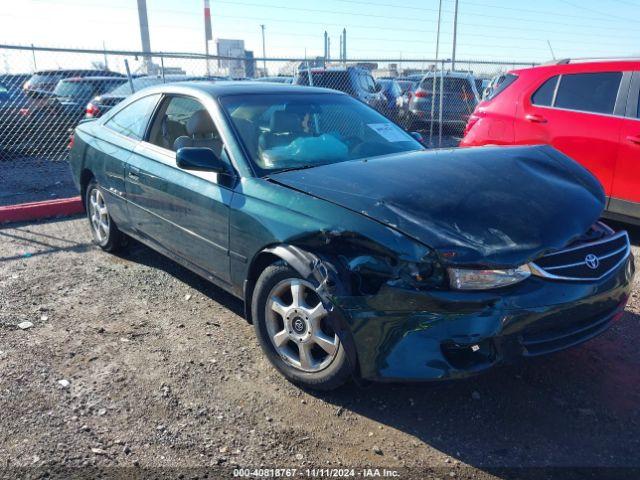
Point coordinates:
pixel 162 371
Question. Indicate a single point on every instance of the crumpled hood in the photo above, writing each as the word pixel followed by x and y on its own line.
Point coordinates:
pixel 485 206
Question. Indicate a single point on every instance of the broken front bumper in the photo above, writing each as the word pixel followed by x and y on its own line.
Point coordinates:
pixel 409 335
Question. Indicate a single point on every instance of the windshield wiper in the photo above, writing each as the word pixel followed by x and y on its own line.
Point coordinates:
pixel 303 167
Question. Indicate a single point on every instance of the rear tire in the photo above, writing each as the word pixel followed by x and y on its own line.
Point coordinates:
pixel 103 229
pixel 295 332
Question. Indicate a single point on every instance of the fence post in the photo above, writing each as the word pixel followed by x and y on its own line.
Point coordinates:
pixel 441 103
pixel 33 54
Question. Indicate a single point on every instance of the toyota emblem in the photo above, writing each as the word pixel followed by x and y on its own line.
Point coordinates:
pixel 592 261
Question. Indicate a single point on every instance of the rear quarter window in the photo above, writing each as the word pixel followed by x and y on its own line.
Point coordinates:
pixel 133 119
pixel 543 96
pixel 501 84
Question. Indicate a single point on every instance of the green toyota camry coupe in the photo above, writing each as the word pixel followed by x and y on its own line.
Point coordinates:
pixel 357 252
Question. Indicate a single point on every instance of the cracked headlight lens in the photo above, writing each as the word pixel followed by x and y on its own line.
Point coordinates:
pixel 476 279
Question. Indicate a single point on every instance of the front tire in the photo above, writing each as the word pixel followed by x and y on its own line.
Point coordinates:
pixel 103 229
pixel 295 330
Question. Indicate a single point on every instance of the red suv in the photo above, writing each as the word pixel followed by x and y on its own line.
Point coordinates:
pixel 589 110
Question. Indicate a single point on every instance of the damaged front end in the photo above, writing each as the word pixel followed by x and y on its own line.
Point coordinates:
pixel 441 273
pixel 408 323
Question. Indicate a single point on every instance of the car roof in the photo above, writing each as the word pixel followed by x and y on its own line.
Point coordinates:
pixel 93 79
pixel 332 69
pixel 79 71
pixel 580 65
pixel 223 88
pixel 449 73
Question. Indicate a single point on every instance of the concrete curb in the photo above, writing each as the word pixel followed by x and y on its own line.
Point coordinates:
pixel 23 212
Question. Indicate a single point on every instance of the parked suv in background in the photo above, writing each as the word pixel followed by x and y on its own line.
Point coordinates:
pixel 355 81
pixel 44 82
pixel 587 109
pixel 459 98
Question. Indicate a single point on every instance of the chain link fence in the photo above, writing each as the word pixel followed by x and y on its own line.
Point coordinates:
pixel 46 92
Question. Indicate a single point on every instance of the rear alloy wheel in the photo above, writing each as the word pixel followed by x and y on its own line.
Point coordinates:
pixel 105 232
pixel 295 330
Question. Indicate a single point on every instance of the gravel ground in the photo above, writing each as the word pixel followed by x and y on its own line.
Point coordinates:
pixel 133 363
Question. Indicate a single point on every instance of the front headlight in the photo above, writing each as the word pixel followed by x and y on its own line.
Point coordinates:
pixel 472 279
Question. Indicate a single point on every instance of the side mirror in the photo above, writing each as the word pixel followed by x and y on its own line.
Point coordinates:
pixel 418 136
pixel 200 159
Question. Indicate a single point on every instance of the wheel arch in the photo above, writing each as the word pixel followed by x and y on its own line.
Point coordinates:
pixel 300 260
pixel 85 177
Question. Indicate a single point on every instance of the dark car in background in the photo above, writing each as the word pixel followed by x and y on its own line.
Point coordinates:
pixel 44 82
pixel 456 91
pixel 355 81
pixel 355 250
pixel 392 92
pixel 407 85
pixel 100 104
pixel 12 101
pixel 14 82
pixel 43 123
pixel 72 95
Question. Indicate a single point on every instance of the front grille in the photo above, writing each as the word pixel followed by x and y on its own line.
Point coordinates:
pixel 589 261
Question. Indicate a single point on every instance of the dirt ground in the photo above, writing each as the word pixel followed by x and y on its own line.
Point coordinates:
pixel 135 366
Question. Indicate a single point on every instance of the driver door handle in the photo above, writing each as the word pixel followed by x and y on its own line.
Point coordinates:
pixel 634 139
pixel 532 117
pixel 134 174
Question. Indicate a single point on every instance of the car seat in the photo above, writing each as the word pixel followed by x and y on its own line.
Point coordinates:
pixel 201 132
pixel 283 129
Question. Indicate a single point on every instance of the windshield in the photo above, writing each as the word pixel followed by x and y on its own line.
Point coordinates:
pixel 73 89
pixel 337 80
pixel 450 85
pixel 293 131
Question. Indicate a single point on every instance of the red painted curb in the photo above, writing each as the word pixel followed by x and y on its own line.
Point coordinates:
pixel 23 212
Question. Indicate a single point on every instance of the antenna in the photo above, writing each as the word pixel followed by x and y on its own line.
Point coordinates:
pixel 553 55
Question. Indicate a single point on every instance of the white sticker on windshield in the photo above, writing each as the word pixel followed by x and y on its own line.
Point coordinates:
pixel 388 131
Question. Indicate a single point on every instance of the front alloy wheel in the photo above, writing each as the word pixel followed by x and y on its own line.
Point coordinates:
pixel 295 330
pixel 295 321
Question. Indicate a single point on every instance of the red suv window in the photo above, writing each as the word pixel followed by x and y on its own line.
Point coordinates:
pixel 586 92
pixel 589 92
pixel 544 95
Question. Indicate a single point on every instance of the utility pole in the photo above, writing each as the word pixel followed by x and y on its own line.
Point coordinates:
pixel 344 45
pixel 207 33
pixel 326 38
pixel 264 53
pixel 438 30
pixel 144 34
pixel 455 34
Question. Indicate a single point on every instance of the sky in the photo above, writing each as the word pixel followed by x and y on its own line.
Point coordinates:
pixel 487 29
